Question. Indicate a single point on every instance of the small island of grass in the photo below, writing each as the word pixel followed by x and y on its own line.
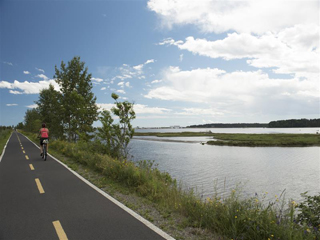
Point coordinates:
pixel 250 140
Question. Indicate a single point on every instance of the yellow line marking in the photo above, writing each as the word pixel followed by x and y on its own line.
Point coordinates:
pixel 31 167
pixel 39 185
pixel 23 151
pixel 27 157
pixel 61 234
pixel 22 148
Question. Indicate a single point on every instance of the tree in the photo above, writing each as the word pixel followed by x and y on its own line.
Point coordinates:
pixel 20 125
pixel 106 134
pixel 32 120
pixel 117 136
pixel 123 130
pixel 79 109
pixel 50 109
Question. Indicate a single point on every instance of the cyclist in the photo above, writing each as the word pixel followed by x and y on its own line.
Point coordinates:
pixel 43 134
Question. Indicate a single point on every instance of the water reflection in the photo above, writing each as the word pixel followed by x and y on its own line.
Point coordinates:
pixel 261 169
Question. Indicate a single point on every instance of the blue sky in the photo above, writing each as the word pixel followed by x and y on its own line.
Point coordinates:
pixel 180 62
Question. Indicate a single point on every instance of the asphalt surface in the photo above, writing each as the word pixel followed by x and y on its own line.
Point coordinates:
pixel 68 209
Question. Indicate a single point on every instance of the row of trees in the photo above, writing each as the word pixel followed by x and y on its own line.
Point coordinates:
pixel 70 112
pixel 295 123
pixel 291 123
pixel 6 127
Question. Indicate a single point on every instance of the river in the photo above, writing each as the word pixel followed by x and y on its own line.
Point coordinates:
pixel 258 170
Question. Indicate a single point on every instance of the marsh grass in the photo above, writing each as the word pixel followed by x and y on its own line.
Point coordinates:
pixel 233 216
pixel 4 136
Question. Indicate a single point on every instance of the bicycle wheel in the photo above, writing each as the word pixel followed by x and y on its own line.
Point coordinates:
pixel 45 152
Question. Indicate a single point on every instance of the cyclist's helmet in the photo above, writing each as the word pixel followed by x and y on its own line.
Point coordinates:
pixel 43 125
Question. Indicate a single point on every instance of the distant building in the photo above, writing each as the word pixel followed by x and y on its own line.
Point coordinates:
pixel 175 127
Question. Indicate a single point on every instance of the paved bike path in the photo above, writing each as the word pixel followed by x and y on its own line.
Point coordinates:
pixel 68 209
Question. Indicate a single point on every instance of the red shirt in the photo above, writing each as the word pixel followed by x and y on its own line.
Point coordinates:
pixel 44 133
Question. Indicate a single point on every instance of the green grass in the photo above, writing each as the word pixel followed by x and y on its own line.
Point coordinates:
pixel 251 140
pixel 233 216
pixel 4 136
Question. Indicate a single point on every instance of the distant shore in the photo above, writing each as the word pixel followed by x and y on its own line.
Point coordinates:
pixel 239 139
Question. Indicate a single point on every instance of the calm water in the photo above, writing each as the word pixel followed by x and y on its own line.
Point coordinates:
pixel 257 169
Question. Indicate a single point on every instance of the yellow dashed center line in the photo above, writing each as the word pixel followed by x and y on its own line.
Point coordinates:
pixel 31 167
pixel 60 232
pixel 23 151
pixel 39 186
pixel 27 157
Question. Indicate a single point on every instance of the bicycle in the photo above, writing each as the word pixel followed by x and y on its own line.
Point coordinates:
pixel 45 149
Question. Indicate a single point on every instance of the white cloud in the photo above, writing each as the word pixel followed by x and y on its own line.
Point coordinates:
pixel 149 61
pixel 103 88
pixel 105 106
pixel 32 106
pixel 156 81
pixel 15 92
pixel 238 92
pixel 138 67
pixel 40 70
pixel 28 87
pixel 127 84
pixel 11 104
pixel 127 71
pixel 201 111
pixel 121 91
pixel 145 109
pixel 181 57
pixel 8 63
pixel 98 80
pixel 26 72
pixel 300 44
pixel 44 77
pixel 249 16
pixel 138 108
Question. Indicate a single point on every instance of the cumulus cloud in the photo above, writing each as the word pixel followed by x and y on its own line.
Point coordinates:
pixel 28 87
pixel 249 16
pixel 300 44
pixel 26 72
pixel 238 91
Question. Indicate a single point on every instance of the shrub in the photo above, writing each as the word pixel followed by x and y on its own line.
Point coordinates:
pixel 309 215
